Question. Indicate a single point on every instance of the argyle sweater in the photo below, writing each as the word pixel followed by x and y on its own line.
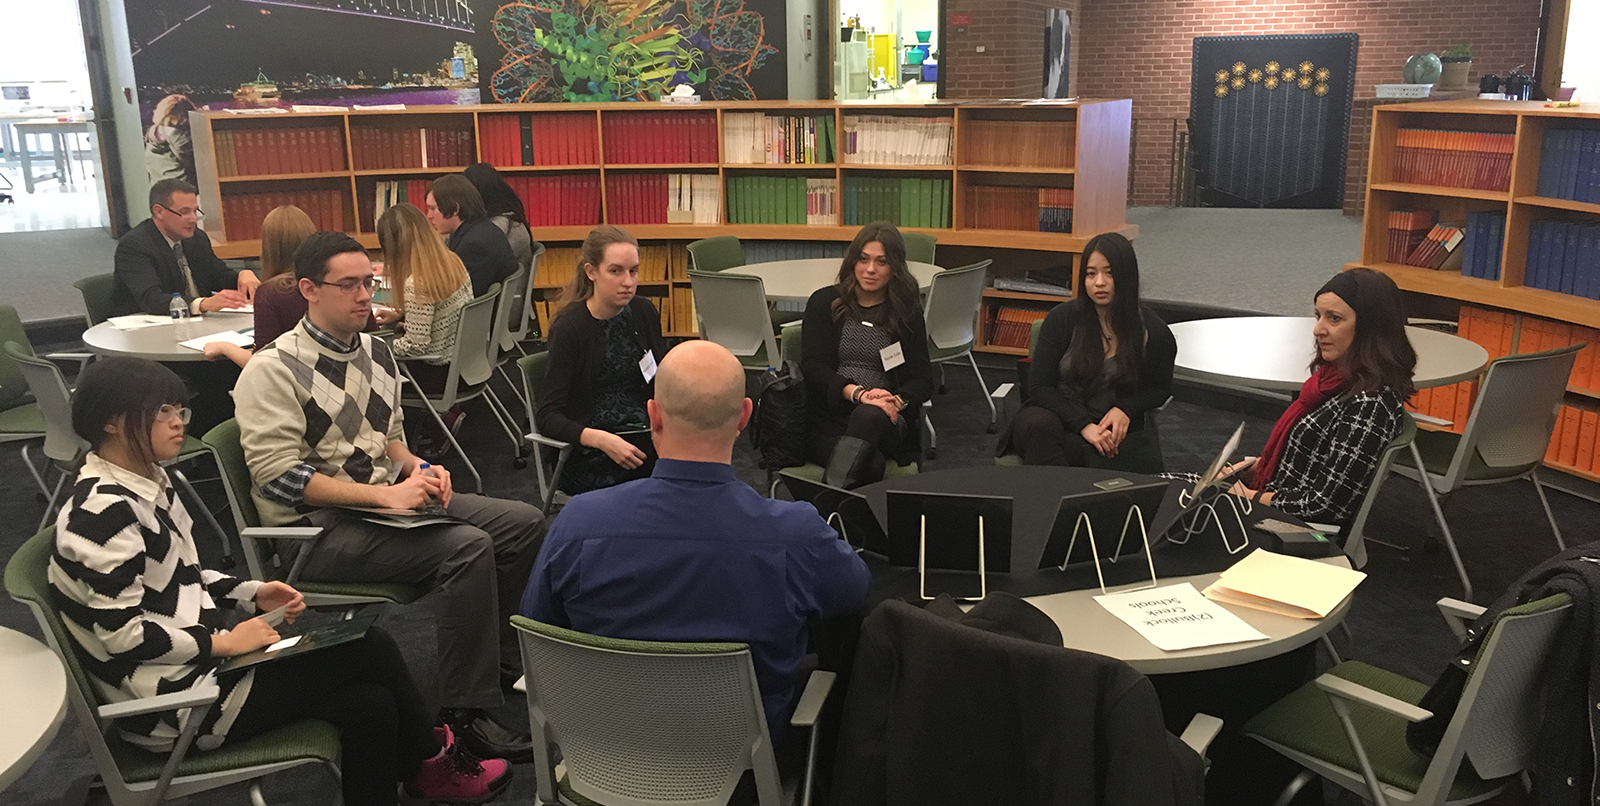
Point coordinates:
pixel 141 612
pixel 305 408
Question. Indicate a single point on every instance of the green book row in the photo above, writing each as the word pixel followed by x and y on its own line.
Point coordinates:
pixel 800 200
pixel 905 202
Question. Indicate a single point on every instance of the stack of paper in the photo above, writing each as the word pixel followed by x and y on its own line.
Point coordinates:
pixel 1178 617
pixel 137 320
pixel 1289 586
pixel 230 336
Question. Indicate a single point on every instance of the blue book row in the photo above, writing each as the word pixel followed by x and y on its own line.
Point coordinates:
pixel 1569 165
pixel 1486 233
pixel 1564 256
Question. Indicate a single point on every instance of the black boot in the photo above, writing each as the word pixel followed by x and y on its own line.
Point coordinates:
pixel 485 738
pixel 855 462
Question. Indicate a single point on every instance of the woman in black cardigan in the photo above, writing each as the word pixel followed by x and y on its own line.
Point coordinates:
pixel 604 344
pixel 1102 362
pixel 864 351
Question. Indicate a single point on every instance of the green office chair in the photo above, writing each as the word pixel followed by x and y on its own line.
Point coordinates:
pixel 132 775
pixel 20 418
pixel 920 246
pixel 96 291
pixel 715 254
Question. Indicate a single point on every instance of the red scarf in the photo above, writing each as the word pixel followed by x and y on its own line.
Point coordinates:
pixel 1317 388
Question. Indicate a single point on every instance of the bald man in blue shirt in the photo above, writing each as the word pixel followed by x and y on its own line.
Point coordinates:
pixel 692 553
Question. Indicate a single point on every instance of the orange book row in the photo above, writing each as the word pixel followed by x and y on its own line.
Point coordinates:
pixel 1479 160
pixel 1572 444
pixel 1010 327
pixel 265 152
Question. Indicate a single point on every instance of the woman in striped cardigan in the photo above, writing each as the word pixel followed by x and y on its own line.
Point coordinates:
pixel 144 615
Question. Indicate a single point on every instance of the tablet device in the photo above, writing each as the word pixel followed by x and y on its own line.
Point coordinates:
pixel 1213 481
pixel 1110 514
pixel 311 640
pixel 953 539
pixel 844 510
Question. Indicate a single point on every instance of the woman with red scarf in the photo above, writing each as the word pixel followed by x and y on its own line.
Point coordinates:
pixel 1324 449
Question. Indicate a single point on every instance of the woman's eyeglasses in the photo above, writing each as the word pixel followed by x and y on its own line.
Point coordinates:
pixel 167 414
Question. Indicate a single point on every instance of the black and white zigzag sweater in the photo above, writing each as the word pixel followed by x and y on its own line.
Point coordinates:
pixel 127 579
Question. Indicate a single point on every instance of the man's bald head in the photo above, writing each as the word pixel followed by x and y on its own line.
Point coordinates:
pixel 700 387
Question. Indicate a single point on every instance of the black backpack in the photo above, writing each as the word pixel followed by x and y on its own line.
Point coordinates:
pixel 778 423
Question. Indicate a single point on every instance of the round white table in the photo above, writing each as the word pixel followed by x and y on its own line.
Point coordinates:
pixel 33 700
pixel 794 281
pixel 1275 352
pixel 160 343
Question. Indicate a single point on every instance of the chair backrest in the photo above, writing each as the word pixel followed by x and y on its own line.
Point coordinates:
pixel 919 246
pixel 1033 334
pixel 534 368
pixel 235 471
pixel 715 254
pixel 951 311
pixel 13 386
pixel 475 352
pixel 50 391
pixel 96 291
pixel 1497 722
pixel 789 346
pixel 513 300
pixel 1354 546
pixel 733 313
pixel 641 722
pixel 1515 412
pixel 528 314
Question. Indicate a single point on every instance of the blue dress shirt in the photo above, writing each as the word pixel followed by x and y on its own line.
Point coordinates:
pixel 694 554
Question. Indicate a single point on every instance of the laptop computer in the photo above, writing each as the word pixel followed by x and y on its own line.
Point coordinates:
pixel 1101 524
pixel 953 539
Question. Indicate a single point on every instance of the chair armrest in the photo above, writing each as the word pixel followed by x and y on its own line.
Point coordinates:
pixel 521 686
pixel 1424 418
pixel 547 441
pixel 282 532
pixel 816 693
pixel 1201 730
pixel 1458 615
pixel 188 698
pixel 428 357
pixel 79 357
pixel 1343 689
pixel 1325 528
pixel 1002 391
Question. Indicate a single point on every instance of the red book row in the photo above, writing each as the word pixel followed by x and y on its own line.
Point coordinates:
pixel 652 138
pixel 1011 327
pixel 242 212
pixel 1478 160
pixel 519 140
pixel 268 151
pixel 636 198
pixel 387 148
pixel 559 201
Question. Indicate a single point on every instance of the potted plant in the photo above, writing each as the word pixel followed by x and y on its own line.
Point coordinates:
pixel 1457 62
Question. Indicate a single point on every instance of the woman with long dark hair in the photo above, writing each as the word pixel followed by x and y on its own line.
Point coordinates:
pixel 148 619
pixel 504 207
pixel 1102 362
pixel 599 377
pixel 1326 445
pixel 864 351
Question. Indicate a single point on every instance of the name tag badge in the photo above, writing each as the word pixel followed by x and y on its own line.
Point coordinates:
pixel 893 356
pixel 647 365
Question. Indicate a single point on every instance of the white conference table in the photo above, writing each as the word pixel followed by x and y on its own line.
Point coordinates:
pixel 33 701
pixel 791 282
pixel 160 343
pixel 1275 352
pixel 59 134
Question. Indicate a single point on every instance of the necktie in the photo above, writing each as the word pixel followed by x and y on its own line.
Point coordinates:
pixel 190 291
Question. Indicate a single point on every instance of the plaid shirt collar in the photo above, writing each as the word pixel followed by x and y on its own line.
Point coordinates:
pixel 327 340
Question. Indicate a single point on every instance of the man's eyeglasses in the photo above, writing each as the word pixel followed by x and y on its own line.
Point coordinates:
pixel 349 286
pixel 167 414
pixel 196 212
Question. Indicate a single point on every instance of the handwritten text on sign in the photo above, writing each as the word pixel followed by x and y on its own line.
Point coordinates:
pixel 1178 617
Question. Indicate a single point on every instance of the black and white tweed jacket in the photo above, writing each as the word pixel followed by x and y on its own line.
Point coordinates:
pixel 1332 453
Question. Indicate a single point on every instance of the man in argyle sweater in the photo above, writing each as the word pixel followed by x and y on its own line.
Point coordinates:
pixel 320 422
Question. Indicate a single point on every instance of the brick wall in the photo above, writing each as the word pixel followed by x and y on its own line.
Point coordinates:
pixel 1142 48
pixel 1011 32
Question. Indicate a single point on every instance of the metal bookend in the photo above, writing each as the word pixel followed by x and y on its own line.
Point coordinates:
pixel 1135 516
pixel 922 565
pixel 1203 515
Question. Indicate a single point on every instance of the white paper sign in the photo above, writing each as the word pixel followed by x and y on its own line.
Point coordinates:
pixel 647 365
pixel 1178 617
pixel 230 336
pixel 893 356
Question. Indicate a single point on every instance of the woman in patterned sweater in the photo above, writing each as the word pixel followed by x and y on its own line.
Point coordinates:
pixel 430 287
pixel 864 352
pixel 1324 449
pixel 144 615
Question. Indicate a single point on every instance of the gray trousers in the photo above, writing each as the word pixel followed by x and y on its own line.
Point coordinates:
pixel 479 571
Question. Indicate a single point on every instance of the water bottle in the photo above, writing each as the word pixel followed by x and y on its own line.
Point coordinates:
pixel 427 470
pixel 180 317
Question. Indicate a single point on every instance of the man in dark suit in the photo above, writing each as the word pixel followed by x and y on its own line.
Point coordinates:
pixel 169 254
pixel 456 211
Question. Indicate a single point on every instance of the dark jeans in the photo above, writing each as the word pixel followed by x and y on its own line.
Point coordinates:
pixel 363 689
pixel 1040 437
pixel 865 422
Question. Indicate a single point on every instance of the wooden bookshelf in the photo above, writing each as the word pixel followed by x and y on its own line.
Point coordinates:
pixel 1530 308
pixel 1082 146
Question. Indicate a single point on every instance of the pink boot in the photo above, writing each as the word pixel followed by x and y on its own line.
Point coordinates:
pixel 455 776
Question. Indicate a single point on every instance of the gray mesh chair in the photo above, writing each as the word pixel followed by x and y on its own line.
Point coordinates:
pixel 643 723
pixel 513 301
pixel 534 368
pixel 1348 725
pixel 732 309
pixel 136 777
pixel 920 246
pixel 529 315
pixel 951 314
pixel 472 364
pixel 715 254
pixel 1505 437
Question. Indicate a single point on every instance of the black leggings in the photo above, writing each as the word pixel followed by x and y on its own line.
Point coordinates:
pixel 866 422
pixel 1040 437
pixel 362 688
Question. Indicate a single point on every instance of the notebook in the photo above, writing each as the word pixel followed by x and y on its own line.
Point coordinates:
pixel 311 640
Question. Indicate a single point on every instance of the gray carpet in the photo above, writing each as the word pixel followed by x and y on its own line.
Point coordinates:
pixel 37 269
pixel 1268 261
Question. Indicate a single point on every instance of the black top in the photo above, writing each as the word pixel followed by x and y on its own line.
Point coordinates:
pixel 820 342
pixel 146 273
pixel 486 252
pixel 1044 377
pixel 577 347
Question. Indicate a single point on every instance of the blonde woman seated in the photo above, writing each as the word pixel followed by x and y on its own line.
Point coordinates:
pixel 431 287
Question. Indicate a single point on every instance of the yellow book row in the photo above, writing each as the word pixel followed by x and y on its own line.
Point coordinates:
pixel 657 264
pixel 676 307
